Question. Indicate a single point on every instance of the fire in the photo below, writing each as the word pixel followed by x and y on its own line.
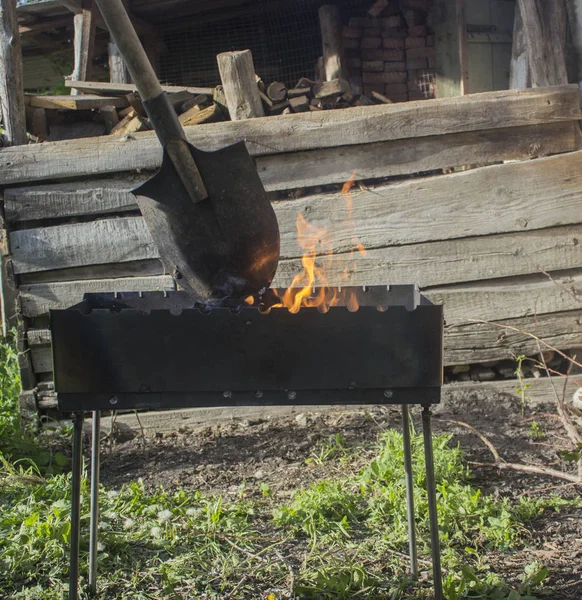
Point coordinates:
pixel 310 287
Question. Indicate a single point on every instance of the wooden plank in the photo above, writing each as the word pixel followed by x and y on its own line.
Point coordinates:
pixel 134 268
pixel 519 73
pixel 430 264
pixel 435 208
pixel 416 155
pixel 38 299
pixel 545 34
pixel 11 81
pixel 472 343
pixel 114 88
pixel 305 131
pixel 116 240
pixel 71 199
pixel 464 344
pixel 454 261
pixel 509 298
pixel 84 42
pixel 448 23
pixel 312 168
pixel 418 211
pixel 88 102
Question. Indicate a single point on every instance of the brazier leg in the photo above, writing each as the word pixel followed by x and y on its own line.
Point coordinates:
pixel 432 504
pixel 94 523
pixel 77 472
pixel 409 490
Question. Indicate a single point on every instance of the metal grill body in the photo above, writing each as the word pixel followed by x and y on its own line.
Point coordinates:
pixel 165 350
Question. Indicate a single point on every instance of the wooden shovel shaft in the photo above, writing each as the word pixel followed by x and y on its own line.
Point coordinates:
pixel 149 88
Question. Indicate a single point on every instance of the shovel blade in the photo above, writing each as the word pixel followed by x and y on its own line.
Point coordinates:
pixel 226 246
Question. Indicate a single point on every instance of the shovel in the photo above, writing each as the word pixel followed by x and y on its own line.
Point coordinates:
pixel 207 212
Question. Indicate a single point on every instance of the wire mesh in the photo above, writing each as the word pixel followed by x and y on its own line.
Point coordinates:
pixel 285 40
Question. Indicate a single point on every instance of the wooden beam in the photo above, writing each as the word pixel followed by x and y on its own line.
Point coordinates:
pixel 11 82
pixel 40 26
pixel 114 88
pixel 88 102
pixel 331 37
pixel 519 71
pixel 544 27
pixel 449 25
pixel 84 42
pixel 237 73
pixel 305 131
pixel 376 218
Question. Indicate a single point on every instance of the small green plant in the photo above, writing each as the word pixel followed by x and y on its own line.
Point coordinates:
pixel 523 388
pixel 535 431
pixel 328 450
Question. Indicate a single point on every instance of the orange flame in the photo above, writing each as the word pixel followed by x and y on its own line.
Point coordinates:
pixel 311 288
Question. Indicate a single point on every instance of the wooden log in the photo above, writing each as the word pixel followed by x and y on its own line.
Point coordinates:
pixel 115 88
pixel 118 72
pixel 519 73
pixel 84 42
pixel 476 112
pixel 299 104
pixel 209 114
pixel 237 73
pixel 11 82
pixel 378 217
pixel 38 299
pixel 449 25
pixel 544 30
pixel 128 125
pixel 277 91
pixel 331 36
pixel 88 102
pixel 328 89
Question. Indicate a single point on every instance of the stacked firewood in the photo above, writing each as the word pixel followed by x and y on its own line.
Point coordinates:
pixel 391 51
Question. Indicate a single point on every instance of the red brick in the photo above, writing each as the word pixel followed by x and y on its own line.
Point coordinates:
pixel 395 34
pixel 354 63
pixel 399 65
pixel 393 44
pixel 417 63
pixel 413 53
pixel 372 32
pixel 373 65
pixel 415 42
pixel 363 22
pixel 418 31
pixel 390 77
pixel 350 43
pixel 430 40
pixel 352 32
pixel 371 43
pixel 395 88
pixel 382 54
pixel 390 22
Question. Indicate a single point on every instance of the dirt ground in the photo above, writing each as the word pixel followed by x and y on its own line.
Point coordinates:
pixel 218 459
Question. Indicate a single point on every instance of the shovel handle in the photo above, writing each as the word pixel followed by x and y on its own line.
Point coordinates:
pixel 164 119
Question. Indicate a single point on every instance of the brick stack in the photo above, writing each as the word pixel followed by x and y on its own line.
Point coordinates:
pixel 391 50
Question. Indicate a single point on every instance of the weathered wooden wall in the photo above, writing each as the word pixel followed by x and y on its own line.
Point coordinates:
pixel 484 192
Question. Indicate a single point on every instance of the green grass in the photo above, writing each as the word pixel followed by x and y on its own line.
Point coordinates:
pixel 340 538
